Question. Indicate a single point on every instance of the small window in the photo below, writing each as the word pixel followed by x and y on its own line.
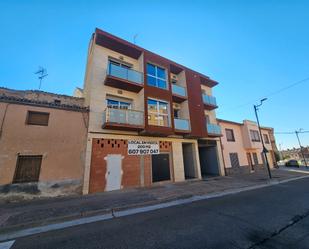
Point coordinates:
pixel 230 135
pixel 255 136
pixel 57 101
pixel 207 119
pixel 176 113
pixel 37 118
pixel 156 76
pixel 27 169
pixel 234 160
pixel 266 139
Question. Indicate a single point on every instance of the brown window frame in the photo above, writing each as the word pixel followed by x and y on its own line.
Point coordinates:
pixel 232 132
pixel 18 165
pixel 28 121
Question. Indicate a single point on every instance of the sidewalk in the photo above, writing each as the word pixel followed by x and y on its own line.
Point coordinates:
pixel 25 214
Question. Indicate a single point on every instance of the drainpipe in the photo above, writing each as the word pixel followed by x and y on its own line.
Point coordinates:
pixel 2 122
pixel 222 156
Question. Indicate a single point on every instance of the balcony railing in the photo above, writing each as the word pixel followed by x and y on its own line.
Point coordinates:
pixel 213 129
pixel 123 116
pixel 209 100
pixel 125 73
pixel 182 124
pixel 179 90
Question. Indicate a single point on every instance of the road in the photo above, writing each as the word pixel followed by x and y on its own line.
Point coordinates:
pixel 271 217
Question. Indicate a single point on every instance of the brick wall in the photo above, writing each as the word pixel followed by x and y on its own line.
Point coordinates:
pixel 131 165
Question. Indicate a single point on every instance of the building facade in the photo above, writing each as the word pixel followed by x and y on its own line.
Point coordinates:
pixel 297 154
pixel 242 146
pixel 42 142
pixel 138 97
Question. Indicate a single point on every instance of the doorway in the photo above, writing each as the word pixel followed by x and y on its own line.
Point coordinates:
pixel 250 161
pixel 189 162
pixel 160 167
pixel 208 158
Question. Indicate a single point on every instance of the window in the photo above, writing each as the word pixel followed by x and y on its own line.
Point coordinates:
pixel 116 104
pixel 120 64
pixel 234 160
pixel 158 112
pixel 255 136
pixel 156 76
pixel 266 139
pixel 57 101
pixel 176 113
pixel 27 169
pixel 229 135
pixel 207 119
pixel 37 118
pixel 255 158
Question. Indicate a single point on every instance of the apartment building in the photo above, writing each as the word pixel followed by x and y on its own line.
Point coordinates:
pixel 42 143
pixel 242 146
pixel 151 120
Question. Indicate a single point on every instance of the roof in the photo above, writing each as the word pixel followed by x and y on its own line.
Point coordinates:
pixel 113 42
pixel 42 99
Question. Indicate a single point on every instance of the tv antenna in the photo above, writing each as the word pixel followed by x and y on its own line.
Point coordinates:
pixel 134 38
pixel 42 73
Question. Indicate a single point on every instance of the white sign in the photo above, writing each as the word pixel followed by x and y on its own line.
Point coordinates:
pixel 138 147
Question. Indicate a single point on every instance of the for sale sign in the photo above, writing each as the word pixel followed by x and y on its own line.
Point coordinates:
pixel 139 147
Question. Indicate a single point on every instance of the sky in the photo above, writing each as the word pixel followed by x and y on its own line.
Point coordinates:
pixel 252 48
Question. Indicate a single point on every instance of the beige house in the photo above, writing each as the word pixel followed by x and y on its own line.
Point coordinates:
pixel 136 96
pixel 42 142
pixel 242 146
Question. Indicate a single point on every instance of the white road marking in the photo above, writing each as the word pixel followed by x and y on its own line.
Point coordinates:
pixel 7 244
pixel 132 211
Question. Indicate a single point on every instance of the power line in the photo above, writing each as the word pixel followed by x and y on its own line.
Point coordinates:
pixel 270 94
pixel 291 132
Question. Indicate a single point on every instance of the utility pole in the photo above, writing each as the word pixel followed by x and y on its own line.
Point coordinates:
pixel 301 148
pixel 256 107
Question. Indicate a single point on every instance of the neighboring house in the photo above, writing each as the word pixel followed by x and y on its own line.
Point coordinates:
pixel 296 153
pixel 136 95
pixel 242 147
pixel 42 142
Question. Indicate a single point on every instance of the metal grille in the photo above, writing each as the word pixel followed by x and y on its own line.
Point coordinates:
pixel 27 169
pixel 234 160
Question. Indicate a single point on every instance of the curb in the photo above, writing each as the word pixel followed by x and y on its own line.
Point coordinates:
pixel 126 211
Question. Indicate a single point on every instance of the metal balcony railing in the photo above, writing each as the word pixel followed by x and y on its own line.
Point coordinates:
pixel 125 73
pixel 179 90
pixel 182 124
pixel 209 100
pixel 123 116
pixel 213 129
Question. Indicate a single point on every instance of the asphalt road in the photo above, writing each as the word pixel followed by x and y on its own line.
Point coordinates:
pixel 272 217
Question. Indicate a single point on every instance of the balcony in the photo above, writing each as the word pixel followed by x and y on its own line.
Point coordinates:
pixel 182 125
pixel 123 119
pixel 179 93
pixel 124 78
pixel 213 130
pixel 210 102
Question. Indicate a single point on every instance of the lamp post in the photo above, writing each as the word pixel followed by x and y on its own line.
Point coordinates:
pixel 256 108
pixel 301 148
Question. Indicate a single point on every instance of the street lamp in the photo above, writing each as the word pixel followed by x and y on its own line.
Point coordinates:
pixel 256 108
pixel 301 148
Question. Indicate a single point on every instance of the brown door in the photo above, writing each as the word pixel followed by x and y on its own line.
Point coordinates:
pixel 250 161
pixel 27 169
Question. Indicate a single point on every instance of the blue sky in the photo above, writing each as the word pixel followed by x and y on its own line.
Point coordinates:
pixel 252 48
